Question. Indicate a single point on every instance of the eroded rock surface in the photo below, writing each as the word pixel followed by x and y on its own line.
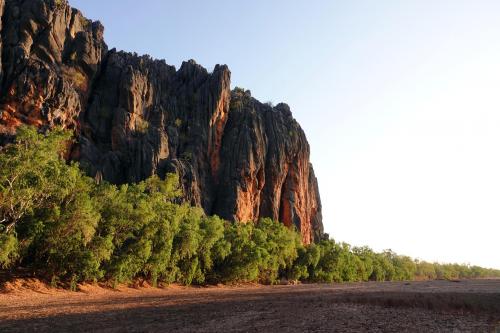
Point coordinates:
pixel 51 55
pixel 135 117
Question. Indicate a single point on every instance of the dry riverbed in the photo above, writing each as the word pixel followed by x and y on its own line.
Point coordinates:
pixel 427 306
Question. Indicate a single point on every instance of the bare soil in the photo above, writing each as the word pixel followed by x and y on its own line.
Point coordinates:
pixel 427 306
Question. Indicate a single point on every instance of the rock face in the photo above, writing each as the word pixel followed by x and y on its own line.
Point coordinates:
pixel 265 169
pixel 136 117
pixel 51 55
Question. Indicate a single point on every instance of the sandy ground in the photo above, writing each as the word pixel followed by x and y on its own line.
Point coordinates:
pixel 429 306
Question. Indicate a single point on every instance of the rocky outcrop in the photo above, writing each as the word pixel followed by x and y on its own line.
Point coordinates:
pixel 146 118
pixel 136 117
pixel 50 57
pixel 265 168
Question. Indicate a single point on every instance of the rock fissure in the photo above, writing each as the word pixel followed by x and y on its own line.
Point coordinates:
pixel 136 116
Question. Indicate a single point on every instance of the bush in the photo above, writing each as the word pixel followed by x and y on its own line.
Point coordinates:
pixel 141 125
pixel 66 227
pixel 8 250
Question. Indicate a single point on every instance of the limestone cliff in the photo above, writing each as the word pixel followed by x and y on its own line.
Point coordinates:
pixel 135 117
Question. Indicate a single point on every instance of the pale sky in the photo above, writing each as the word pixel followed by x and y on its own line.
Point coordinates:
pixel 400 101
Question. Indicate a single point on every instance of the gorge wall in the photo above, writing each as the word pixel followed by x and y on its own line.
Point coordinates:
pixel 135 117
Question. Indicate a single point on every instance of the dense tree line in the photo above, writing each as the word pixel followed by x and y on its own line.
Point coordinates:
pixel 65 226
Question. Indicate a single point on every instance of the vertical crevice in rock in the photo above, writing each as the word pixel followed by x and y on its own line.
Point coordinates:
pixel 136 116
pixel 46 68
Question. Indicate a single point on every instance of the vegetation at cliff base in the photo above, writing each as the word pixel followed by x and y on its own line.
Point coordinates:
pixel 65 226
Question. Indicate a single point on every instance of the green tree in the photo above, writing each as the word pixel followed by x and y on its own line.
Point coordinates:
pixel 27 171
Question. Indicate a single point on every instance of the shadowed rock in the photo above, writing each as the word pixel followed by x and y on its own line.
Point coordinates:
pixel 136 117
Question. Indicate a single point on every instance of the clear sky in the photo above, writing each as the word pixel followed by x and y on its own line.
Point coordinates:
pixel 400 101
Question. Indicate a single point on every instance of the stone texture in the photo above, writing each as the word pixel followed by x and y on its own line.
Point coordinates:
pixel 265 168
pixel 50 57
pixel 2 7
pixel 146 118
pixel 136 116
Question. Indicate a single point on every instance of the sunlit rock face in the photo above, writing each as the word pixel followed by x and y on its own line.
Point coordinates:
pixel 51 56
pixel 265 169
pixel 136 117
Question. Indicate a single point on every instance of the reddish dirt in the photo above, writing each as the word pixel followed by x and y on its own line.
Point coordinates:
pixel 428 306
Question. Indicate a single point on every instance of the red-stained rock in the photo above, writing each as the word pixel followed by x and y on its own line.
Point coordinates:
pixel 265 169
pixel 50 57
pixel 136 117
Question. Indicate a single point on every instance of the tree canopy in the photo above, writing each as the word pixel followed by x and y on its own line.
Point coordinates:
pixel 65 226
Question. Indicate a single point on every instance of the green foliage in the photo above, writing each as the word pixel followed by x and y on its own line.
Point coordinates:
pixel 258 252
pixel 64 226
pixel 76 76
pixel 59 3
pixel 187 155
pixel 73 284
pixel 29 171
pixel 239 98
pixel 138 225
pixel 8 250
pixel 86 23
pixel 141 125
